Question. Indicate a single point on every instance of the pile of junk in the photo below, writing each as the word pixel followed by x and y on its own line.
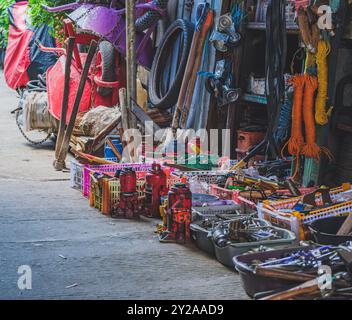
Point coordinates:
pixel 272 200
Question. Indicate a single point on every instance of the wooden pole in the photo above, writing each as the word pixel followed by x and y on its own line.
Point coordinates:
pixel 59 163
pixel 131 60
pixel 62 126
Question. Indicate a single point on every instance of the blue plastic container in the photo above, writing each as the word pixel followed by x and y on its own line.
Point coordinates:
pixel 108 153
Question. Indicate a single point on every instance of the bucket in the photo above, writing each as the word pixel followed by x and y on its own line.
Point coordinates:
pixel 108 153
pixel 324 230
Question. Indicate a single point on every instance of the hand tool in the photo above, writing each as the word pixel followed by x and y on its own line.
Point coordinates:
pixel 207 15
pixel 191 66
pixel 92 159
pixel 308 287
pixel 284 274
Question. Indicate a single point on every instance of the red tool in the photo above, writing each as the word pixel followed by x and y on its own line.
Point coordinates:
pixel 179 214
pixel 155 188
pixel 129 203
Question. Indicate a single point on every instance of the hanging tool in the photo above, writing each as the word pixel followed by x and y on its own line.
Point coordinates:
pixel 59 163
pixel 225 37
pixel 220 84
pixel 204 22
pixel 207 15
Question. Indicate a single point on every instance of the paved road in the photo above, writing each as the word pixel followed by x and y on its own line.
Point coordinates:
pixel 51 228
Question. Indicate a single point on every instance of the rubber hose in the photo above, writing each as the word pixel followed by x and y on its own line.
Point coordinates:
pixel 151 16
pixel 169 99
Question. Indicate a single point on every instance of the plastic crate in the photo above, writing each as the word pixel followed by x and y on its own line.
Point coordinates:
pixel 209 212
pixel 76 175
pixel 109 169
pixel 105 193
pixel 274 211
pixel 234 195
pixel 208 177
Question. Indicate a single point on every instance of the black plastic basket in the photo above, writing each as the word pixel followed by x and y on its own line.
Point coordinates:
pixel 325 230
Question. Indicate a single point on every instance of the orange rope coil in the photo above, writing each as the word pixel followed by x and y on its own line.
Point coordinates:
pixel 305 87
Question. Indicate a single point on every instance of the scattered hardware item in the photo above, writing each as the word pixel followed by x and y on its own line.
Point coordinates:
pixel 204 221
pixel 155 188
pixel 296 215
pixel 237 236
pixel 325 231
pixel 179 212
pixel 203 226
pixel 289 267
pixel 254 283
pixel 220 84
pixel 225 37
pixel 212 209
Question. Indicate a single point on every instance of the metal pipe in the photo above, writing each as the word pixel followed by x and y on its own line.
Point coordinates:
pixel 131 59
pixel 69 6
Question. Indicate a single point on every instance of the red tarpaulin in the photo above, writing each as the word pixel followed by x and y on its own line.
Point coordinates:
pixel 17 59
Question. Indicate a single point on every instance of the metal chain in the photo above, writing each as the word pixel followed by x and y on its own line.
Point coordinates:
pixel 36 143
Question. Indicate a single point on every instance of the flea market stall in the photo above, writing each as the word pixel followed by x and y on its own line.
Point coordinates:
pixel 226 123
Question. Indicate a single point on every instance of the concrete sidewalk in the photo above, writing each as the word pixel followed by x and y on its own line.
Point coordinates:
pixel 51 228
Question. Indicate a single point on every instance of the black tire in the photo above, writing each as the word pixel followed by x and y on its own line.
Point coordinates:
pixel 108 58
pixel 150 17
pixel 169 99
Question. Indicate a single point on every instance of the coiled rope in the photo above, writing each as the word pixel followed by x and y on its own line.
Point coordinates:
pixel 321 114
pixel 305 87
